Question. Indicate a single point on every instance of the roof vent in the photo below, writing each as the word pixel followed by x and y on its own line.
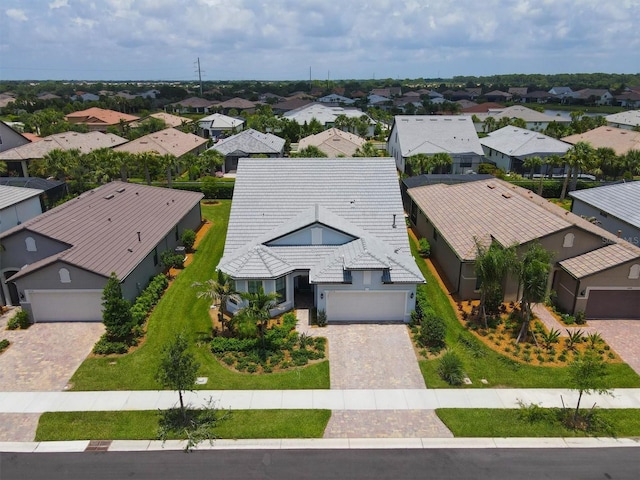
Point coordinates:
pixel 120 190
pixel 506 195
pixel 491 186
pixel 109 197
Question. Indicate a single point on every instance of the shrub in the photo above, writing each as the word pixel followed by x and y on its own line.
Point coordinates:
pixel 171 259
pixel 104 346
pixel 474 347
pixel 450 368
pixel 4 344
pixel 433 332
pixel 424 248
pixel 321 318
pixel 20 320
pixel 188 239
pixel 580 318
pixel 148 299
pixel 533 413
pixel 12 324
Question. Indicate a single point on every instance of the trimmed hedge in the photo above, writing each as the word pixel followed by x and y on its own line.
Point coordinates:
pixel 223 189
pixel 148 299
pixel 552 188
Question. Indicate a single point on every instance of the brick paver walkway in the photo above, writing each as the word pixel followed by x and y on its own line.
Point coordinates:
pixel 18 427
pixel 385 424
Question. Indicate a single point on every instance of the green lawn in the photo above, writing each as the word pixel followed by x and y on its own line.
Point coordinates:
pixel 180 310
pixel 487 422
pixel 143 425
pixel 497 369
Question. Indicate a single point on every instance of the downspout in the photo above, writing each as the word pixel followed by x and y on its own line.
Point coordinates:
pixel 575 297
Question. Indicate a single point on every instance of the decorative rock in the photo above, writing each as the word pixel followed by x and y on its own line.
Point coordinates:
pixel 202 380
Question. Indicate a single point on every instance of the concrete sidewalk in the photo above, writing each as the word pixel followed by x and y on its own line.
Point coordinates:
pixel 401 399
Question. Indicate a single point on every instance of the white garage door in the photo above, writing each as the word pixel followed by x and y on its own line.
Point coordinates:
pixel 365 306
pixel 66 305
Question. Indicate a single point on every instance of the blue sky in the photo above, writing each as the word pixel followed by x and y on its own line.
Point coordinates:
pixel 282 39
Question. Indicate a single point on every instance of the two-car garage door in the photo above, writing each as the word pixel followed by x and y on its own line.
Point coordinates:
pixel 373 306
pixel 613 304
pixel 65 305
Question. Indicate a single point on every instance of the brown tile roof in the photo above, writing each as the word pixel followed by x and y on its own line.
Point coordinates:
pixel 291 104
pixel 169 119
pixel 101 226
pixel 333 142
pixel 99 117
pixel 482 107
pixel 32 137
pixel 619 139
pixel 85 142
pixel 237 103
pixel 598 260
pixel 165 142
pixel 194 102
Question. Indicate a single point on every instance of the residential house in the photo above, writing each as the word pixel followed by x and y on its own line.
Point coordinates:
pixel 626 120
pixel 57 264
pixel 464 104
pixel 168 119
pixel 330 232
pixel 99 119
pixel 191 105
pixel 509 147
pixel 48 96
pixel 333 143
pixel 479 107
pixel 538 96
pixel 218 125
pixel 563 94
pixel 238 104
pixel 619 139
pixel 593 270
pixel 289 105
pixel 535 120
pixel 335 99
pixel 518 93
pixel 593 96
pixel 326 115
pixel 431 134
pixel 616 208
pixel 248 143
pixel 85 97
pixel 54 190
pixel 6 99
pixel 629 99
pixel 18 158
pixel 11 138
pixel 380 101
pixel 169 141
pixel 498 96
pixel 387 92
pixel 17 205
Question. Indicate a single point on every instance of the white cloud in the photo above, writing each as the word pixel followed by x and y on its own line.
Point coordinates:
pixel 17 14
pixel 58 4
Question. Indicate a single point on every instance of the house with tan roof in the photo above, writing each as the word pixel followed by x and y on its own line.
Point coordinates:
pixel 535 120
pixel 99 119
pixel 593 270
pixel 169 141
pixel 57 264
pixel 620 140
pixel 169 119
pixel 11 138
pixel 626 120
pixel 333 142
pixel 237 103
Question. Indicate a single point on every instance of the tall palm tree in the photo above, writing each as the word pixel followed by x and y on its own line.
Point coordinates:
pixel 489 124
pixel 169 163
pixel 420 163
pixel 257 310
pixel 147 160
pixel 211 161
pixel 583 156
pixel 219 290
pixel 441 160
pixel 492 264
pixel 533 273
pixel 60 163
pixel 532 163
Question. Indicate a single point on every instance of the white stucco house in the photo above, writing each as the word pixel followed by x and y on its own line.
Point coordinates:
pixel 330 230
pixel 17 205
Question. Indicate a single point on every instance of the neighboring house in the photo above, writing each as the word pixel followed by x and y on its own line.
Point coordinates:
pixel 387 92
pixel 326 115
pixel 378 100
pixel 335 99
pixel 562 93
pixel 626 120
pixel 6 99
pixel 85 97
pixel 166 142
pixel 509 147
pixel 99 119
pixel 518 92
pixel 431 134
pixel 48 96
pixel 10 138
pixel 535 120
pixel 191 105
pixel 628 99
pixel 217 125
pixel 498 96
pixel 537 96
pixel 479 107
pixel 595 96
pixel 239 104
pixel 18 158
pixel 57 264
pixel 168 119
pixel 54 190
pixel 593 270
pixel 464 104
pixel 619 139
pixel 616 208
pixel 248 143
pixel 324 233
pixel 290 104
pixel 17 205
pixel 333 143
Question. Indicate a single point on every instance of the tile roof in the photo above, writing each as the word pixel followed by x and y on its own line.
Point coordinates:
pixel 323 113
pixel 99 116
pixel 481 107
pixel 518 111
pixel 11 195
pixel 598 260
pixel 31 182
pixel 619 139
pixel 171 120
pixel 520 143
pixel 85 142
pixel 291 104
pixel 219 121
pixel 101 226
pixel 165 142
pixel 333 142
pixel 251 142
pixel 194 102
pixel 621 200
pixel 358 197
pixel 630 117
pixel 429 134
pixel 237 103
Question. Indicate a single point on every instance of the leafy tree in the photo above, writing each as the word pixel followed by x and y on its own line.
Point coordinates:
pixel 257 311
pixel 442 161
pixel 310 152
pixel 533 273
pixel 587 374
pixel 420 163
pixel 178 369
pixel 188 239
pixel 367 150
pixel 116 311
pixel 219 290
pixel 491 265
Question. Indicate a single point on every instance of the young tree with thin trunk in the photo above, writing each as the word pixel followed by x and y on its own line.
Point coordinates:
pixel 219 290
pixel 587 374
pixel 533 273
pixel 178 369
pixel 492 264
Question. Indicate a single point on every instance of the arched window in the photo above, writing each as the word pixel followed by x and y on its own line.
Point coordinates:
pixel 30 242
pixel 65 277
pixel 634 272
pixel 568 240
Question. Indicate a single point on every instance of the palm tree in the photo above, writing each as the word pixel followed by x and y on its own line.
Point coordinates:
pixel 420 163
pixel 489 124
pixel 533 163
pixel 631 162
pixel 533 273
pixel 491 266
pixel 60 163
pixel 169 163
pixel 211 161
pixel 441 160
pixel 257 310
pixel 147 160
pixel 219 290
pixel 582 155
pixel 3 167
pixel 366 150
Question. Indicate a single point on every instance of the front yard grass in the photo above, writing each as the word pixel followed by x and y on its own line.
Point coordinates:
pixel 485 363
pixel 179 310
pixel 143 425
pixel 498 422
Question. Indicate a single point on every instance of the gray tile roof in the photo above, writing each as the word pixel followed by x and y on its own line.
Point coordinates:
pixel 11 195
pixel 430 134
pixel 359 197
pixel 251 142
pixel 522 143
pixel 100 226
pixel 621 200
pixel 598 260
pixel 631 118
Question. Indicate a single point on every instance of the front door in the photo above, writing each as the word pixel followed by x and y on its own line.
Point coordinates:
pixel 11 291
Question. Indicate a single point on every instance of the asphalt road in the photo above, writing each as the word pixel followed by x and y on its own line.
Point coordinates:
pixel 489 464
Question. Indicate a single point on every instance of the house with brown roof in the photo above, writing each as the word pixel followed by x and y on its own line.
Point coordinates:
pixel 168 119
pixel 593 270
pixel 169 141
pixel 99 119
pixel 621 140
pixel 191 105
pixel 237 103
pixel 57 264
pixel 333 142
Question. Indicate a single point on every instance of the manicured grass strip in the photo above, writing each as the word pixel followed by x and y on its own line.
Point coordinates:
pixel 497 369
pixel 180 311
pixel 498 422
pixel 143 425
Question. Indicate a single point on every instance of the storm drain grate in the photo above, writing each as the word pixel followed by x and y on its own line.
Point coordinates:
pixel 98 446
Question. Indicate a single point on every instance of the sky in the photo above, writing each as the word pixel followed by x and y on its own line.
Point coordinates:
pixel 288 39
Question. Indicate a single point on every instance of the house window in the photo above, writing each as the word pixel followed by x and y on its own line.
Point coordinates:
pixel 177 234
pixel 155 257
pixel 634 272
pixel 30 243
pixel 603 214
pixel 281 289
pixel 65 277
pixel 254 286
pixel 568 240
pixel 435 235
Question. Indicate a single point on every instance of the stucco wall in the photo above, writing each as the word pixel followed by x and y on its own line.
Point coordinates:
pixel 19 213
pixel 15 252
pixel 304 236
pixel 609 222
pixel 608 279
pixel 49 278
